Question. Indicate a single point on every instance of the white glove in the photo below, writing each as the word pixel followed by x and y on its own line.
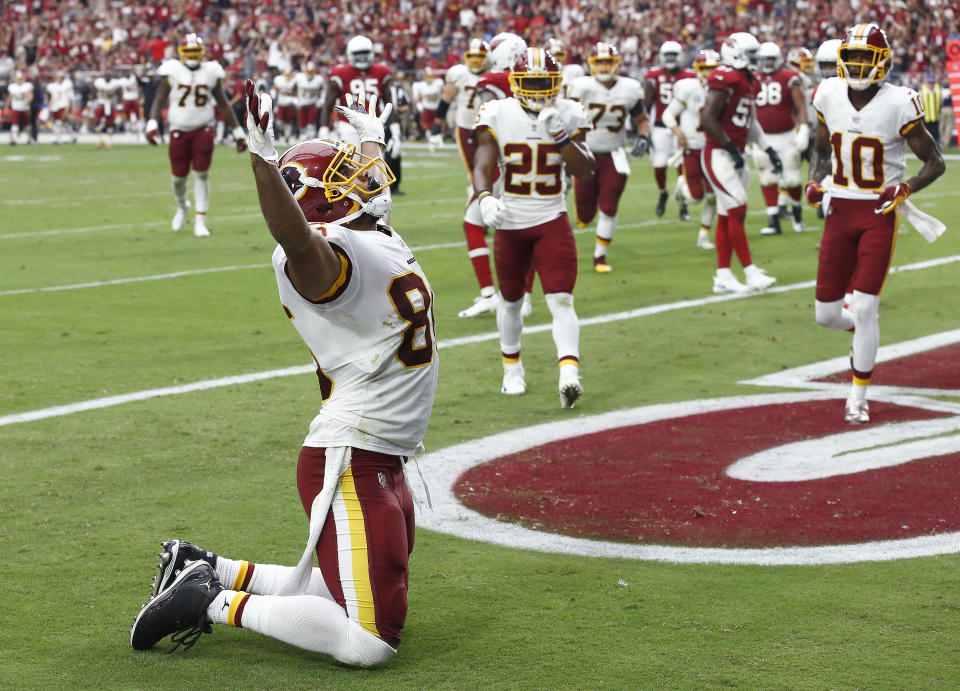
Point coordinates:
pixel 395 146
pixel 549 117
pixel 364 120
pixel 260 124
pixel 435 140
pixel 152 133
pixel 802 138
pixel 491 210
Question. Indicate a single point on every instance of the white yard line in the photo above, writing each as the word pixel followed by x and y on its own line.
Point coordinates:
pixel 109 401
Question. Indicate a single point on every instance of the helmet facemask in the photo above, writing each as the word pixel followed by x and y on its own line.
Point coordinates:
pixel 862 66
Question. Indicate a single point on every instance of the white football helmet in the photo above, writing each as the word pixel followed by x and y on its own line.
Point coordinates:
pixel 669 55
pixel 739 51
pixel 360 52
pixel 827 55
pixel 769 57
pixel 505 48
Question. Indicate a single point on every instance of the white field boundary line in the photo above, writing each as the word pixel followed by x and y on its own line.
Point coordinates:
pixel 109 401
pixel 217 269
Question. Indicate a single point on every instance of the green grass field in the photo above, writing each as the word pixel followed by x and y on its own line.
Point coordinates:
pixel 88 496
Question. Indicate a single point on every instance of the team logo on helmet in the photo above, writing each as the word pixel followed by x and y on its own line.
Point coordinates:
pixel 535 79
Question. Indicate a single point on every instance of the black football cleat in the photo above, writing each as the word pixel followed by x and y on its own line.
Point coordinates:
pixel 173 557
pixel 661 204
pixel 684 213
pixel 180 610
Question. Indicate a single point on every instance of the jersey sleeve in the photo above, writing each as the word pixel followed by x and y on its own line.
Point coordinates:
pixel 487 117
pixel 911 112
pixel 345 286
pixel 720 79
pixel 165 69
pixel 574 117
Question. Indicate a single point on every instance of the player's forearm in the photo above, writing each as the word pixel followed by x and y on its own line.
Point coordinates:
pixel 283 215
pixel 820 162
pixel 484 168
pixel 578 160
pixel 929 171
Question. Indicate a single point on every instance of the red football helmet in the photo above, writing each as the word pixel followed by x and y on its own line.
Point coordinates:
pixel 331 180
pixel 800 59
pixel 706 62
pixel 535 79
pixel 476 56
pixel 864 56
pixel 604 61
pixel 191 51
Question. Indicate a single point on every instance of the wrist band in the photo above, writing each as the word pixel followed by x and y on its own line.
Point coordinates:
pixel 484 193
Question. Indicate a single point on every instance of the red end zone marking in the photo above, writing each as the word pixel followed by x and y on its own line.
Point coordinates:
pixel 934 369
pixel 664 483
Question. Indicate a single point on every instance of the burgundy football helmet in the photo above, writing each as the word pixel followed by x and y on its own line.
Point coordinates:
pixel 604 61
pixel 476 56
pixel 191 51
pixel 535 79
pixel 332 181
pixel 864 56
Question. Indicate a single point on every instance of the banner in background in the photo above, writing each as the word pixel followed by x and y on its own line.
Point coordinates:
pixel 953 73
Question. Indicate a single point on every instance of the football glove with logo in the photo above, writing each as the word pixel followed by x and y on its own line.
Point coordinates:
pixel 260 123
pixel 891 197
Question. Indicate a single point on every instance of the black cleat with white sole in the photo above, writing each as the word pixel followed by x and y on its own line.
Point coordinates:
pixel 180 610
pixel 173 557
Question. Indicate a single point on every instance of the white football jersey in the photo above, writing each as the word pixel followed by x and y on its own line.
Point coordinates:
pixel 106 89
pixel 21 95
pixel 286 89
pixel 427 94
pixel 691 94
pixel 869 150
pixel 607 108
pixel 61 94
pixel 192 103
pixel 308 88
pixel 466 102
pixel 129 88
pixel 569 74
pixel 373 341
pixel 530 161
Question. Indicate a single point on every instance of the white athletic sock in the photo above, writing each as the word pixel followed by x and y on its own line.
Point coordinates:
pixel 708 211
pixel 306 621
pixel 265 579
pixel 566 326
pixel 866 337
pixel 179 190
pixel 606 227
pixel 201 191
pixel 510 325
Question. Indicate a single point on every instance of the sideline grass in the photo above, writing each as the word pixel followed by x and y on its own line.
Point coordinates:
pixel 88 496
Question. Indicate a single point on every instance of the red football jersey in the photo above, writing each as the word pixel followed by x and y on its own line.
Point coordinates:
pixel 774 103
pixel 663 82
pixel 370 83
pixel 497 83
pixel 738 112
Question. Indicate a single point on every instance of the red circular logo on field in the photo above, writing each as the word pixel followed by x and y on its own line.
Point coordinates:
pixel 666 482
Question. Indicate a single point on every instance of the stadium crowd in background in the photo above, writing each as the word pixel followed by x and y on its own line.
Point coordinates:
pixel 88 38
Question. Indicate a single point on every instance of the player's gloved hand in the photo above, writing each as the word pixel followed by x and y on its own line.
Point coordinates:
pixel 815 192
pixel 891 197
pixel 260 123
pixel 802 138
pixel 153 132
pixel 435 138
pixel 491 210
pixel 774 160
pixel 549 117
pixel 641 146
pixel 364 119
pixel 735 154
pixel 395 145
pixel 436 129
pixel 240 139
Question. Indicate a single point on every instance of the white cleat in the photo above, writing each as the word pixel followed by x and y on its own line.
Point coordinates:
pixel 481 305
pixel 727 283
pixel 797 226
pixel 570 387
pixel 200 228
pixel 758 280
pixel 703 241
pixel 179 218
pixel 527 308
pixel 514 382
pixel 857 412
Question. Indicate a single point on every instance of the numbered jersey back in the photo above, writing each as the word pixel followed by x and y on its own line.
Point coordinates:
pixel 869 146
pixel 738 112
pixel 662 82
pixel 774 102
pixel 466 101
pixel 607 109
pixel 350 80
pixel 530 161
pixel 372 338
pixel 191 93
